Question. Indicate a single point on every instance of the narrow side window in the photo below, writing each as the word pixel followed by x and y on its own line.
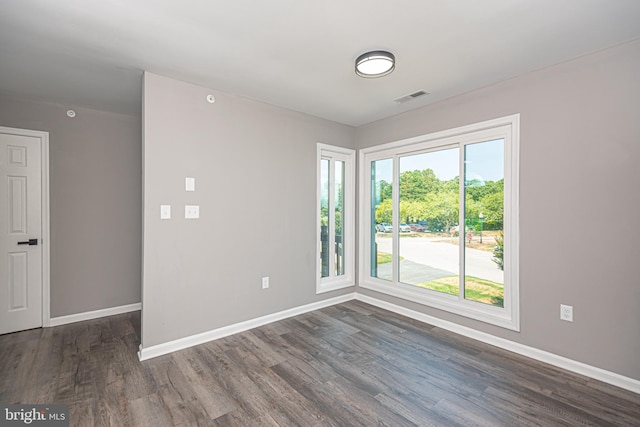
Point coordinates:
pixel 336 218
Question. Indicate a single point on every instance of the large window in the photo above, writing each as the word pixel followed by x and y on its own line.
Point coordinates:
pixel 439 220
pixel 336 213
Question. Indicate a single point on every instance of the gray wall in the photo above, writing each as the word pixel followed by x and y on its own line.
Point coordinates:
pixel 579 201
pixel 255 171
pixel 95 192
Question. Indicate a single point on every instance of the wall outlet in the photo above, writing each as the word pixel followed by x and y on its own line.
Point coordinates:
pixel 265 282
pixel 566 312
pixel 192 211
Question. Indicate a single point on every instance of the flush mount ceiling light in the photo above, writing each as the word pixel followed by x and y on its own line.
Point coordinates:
pixel 375 64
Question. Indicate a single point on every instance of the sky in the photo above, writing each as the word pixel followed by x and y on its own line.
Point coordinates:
pixel 484 161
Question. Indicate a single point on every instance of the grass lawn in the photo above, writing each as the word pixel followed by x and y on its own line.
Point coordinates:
pixel 384 258
pixel 476 289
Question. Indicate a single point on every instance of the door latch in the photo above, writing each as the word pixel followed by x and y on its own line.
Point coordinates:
pixel 30 242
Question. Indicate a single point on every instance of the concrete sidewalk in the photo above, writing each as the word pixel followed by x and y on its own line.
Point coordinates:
pixel 428 256
pixel 413 273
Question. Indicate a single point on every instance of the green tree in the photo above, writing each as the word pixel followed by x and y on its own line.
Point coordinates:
pixel 424 197
pixel 384 211
pixel 498 251
pixel 451 185
pixel 473 210
pixel 412 210
pixel 440 210
pixel 493 210
pixel 324 216
pixel 478 191
pixel 384 190
pixel 415 185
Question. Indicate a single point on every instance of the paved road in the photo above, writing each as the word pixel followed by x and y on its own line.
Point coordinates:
pixel 434 258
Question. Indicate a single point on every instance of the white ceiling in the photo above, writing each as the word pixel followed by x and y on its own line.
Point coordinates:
pixel 293 53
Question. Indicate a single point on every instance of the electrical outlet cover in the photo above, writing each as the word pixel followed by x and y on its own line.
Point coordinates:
pixel 192 211
pixel 566 312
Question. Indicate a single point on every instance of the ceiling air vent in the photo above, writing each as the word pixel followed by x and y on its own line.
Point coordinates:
pixel 411 96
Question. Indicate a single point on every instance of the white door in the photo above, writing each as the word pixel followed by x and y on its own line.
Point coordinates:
pixel 20 230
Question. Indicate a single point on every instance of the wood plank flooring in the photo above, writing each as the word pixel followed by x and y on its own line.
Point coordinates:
pixel 347 365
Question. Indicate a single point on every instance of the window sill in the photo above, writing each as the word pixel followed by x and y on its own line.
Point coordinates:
pixel 449 303
pixel 333 284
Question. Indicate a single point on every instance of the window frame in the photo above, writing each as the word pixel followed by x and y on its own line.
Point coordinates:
pixel 506 127
pixel 348 156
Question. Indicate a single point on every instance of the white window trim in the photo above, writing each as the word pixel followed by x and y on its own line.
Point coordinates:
pixel 332 282
pixel 509 127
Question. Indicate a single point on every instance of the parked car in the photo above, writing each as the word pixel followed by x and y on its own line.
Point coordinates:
pixel 383 227
pixel 404 228
pixel 417 227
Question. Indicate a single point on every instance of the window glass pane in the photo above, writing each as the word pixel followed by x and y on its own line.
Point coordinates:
pixel 339 217
pixel 484 216
pixel 429 205
pixel 381 217
pixel 324 218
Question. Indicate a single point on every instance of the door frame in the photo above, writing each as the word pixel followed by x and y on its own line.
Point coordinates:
pixel 44 182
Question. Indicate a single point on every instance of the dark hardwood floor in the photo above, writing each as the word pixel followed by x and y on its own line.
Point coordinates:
pixel 347 365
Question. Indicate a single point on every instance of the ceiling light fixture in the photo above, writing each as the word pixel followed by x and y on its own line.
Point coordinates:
pixel 377 63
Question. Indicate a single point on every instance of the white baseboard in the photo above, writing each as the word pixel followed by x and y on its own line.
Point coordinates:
pixel 88 315
pixel 534 353
pixel 186 342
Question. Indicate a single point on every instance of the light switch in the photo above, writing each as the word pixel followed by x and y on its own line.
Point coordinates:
pixel 165 211
pixel 192 211
pixel 190 184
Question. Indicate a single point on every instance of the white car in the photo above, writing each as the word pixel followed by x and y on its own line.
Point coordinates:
pixel 404 228
pixel 383 227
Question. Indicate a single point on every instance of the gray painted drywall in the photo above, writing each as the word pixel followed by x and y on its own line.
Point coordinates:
pixel 255 175
pixel 579 201
pixel 95 207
